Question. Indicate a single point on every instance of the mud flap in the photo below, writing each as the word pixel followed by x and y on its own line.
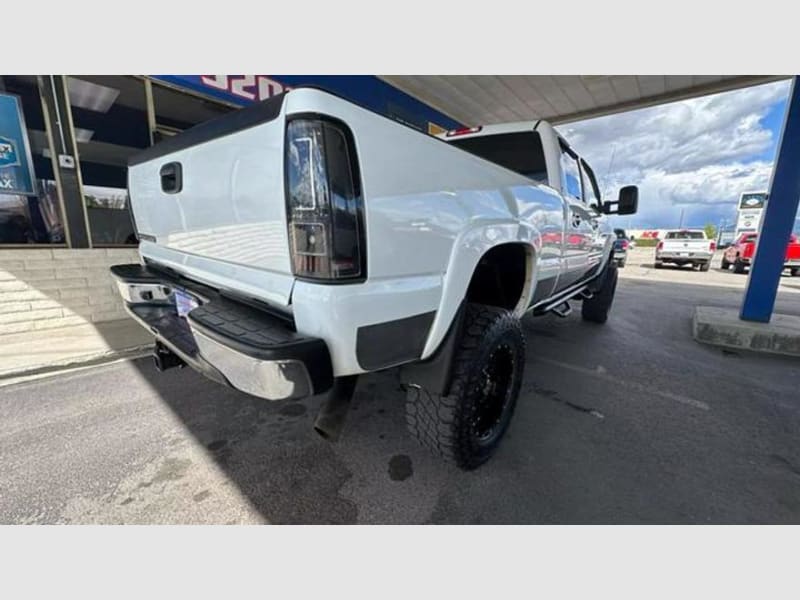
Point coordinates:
pixel 435 373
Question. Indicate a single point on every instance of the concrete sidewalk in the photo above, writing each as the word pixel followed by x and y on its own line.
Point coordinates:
pixel 36 352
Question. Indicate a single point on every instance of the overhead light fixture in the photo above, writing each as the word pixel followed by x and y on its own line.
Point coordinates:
pixel 91 96
pixel 83 135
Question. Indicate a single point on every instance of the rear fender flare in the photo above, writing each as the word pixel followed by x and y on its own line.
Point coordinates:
pixel 467 250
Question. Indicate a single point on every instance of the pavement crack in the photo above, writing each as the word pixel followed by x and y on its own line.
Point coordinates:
pixel 584 409
pixel 601 373
pixel 553 395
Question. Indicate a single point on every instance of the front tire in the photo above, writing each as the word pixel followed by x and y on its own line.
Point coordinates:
pixel 466 426
pixel 595 309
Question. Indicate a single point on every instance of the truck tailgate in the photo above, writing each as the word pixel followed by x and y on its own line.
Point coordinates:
pixel 685 245
pixel 210 204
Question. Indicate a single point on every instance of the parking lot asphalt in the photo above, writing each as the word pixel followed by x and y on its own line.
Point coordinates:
pixel 640 266
pixel 630 422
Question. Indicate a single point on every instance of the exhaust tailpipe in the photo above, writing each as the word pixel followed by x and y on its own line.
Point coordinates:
pixel 334 409
pixel 164 358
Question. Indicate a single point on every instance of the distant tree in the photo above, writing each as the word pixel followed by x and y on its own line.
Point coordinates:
pixel 711 231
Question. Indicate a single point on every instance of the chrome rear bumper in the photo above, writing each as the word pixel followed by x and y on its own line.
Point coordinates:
pixel 230 342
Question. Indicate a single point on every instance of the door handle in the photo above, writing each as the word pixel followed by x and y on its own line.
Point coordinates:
pixel 171 177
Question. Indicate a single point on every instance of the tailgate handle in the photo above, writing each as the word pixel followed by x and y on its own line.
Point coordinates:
pixel 171 177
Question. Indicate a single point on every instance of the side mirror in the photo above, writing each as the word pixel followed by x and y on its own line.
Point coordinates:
pixel 627 204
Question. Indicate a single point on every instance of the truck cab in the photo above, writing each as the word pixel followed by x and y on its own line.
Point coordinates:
pixel 537 151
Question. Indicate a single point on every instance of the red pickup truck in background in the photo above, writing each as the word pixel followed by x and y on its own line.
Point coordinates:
pixel 741 254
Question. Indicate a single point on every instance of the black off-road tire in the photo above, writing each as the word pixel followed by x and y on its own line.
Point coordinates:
pixel 466 426
pixel 595 309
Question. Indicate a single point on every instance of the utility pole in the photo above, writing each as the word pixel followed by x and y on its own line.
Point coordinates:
pixel 680 225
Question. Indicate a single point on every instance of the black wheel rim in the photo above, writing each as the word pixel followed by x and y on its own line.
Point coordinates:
pixel 494 391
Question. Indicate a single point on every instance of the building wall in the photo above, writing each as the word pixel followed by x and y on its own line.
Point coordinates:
pixel 44 288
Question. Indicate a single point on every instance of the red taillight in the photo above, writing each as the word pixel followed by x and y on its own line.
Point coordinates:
pixel 712 246
pixel 463 131
pixel 624 244
pixel 660 246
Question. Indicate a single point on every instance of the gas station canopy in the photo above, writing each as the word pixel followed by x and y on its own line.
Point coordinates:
pixel 488 99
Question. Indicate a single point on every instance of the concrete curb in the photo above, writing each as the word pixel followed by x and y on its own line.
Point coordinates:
pixel 84 360
pixel 722 327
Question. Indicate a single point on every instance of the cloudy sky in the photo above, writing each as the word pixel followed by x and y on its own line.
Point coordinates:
pixel 697 154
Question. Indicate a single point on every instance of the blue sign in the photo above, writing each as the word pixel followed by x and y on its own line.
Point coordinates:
pixel 367 90
pixel 16 166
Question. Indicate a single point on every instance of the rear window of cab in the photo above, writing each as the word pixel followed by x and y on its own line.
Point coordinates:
pixel 685 235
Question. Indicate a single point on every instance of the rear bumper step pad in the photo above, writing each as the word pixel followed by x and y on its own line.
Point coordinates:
pixel 228 341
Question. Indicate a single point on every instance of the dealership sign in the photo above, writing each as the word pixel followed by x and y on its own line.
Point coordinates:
pixel 751 207
pixel 251 88
pixel 16 166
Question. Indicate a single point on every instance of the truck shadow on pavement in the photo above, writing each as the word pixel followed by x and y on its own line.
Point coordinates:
pixel 271 453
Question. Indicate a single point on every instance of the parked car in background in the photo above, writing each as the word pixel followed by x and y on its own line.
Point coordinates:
pixel 621 246
pixel 685 247
pixel 741 254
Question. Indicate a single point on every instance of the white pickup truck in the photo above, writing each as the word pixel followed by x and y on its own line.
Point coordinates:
pixel 685 247
pixel 294 244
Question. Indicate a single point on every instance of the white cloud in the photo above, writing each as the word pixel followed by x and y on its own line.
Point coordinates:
pixel 698 154
pixel 706 193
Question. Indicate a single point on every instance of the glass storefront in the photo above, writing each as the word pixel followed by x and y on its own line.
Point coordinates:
pixel 176 110
pixel 112 117
pixel 109 116
pixel 34 218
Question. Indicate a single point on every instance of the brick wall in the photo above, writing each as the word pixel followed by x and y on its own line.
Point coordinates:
pixel 49 288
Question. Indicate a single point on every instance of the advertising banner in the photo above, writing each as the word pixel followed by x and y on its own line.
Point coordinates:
pixel 16 167
pixel 367 90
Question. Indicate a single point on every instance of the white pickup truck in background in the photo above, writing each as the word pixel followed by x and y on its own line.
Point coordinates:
pixel 685 247
pixel 292 245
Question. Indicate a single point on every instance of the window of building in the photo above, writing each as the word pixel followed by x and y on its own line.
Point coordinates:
pixel 109 116
pixel 176 111
pixel 27 218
